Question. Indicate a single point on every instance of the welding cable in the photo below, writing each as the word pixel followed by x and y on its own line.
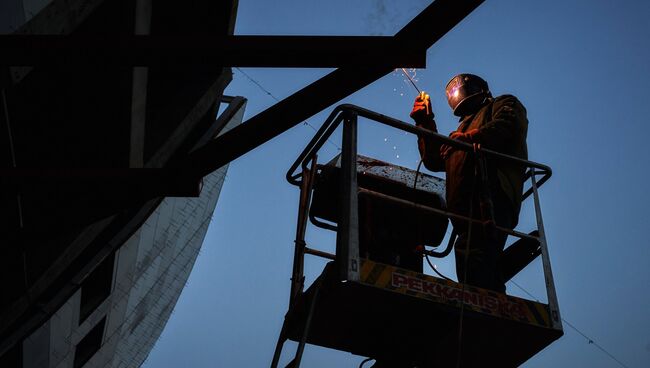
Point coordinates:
pixel 417 173
pixel 445 253
pixel 365 361
pixel 433 267
pixel 453 234
pixel 466 260
pixel 452 237
pixel 466 255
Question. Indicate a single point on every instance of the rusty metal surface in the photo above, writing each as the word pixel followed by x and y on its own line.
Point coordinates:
pixel 399 174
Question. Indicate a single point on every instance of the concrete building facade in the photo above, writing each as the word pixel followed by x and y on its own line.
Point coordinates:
pixel 120 310
pixel 102 216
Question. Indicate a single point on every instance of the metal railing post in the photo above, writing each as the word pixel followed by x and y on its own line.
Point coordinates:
pixel 553 305
pixel 297 276
pixel 347 244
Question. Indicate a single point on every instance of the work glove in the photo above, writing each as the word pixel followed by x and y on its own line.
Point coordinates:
pixel 422 112
pixel 470 136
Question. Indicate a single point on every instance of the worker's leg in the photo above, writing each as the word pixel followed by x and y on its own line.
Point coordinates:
pixel 477 264
pixel 470 264
pixel 478 251
pixel 504 217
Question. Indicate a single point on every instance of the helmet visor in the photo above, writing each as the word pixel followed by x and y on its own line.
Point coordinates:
pixel 459 88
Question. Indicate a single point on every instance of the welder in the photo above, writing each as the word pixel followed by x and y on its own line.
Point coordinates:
pixel 499 124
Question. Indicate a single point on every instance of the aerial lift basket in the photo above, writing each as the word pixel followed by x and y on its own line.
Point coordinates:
pixel 374 300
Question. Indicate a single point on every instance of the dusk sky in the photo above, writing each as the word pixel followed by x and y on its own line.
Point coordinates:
pixel 581 68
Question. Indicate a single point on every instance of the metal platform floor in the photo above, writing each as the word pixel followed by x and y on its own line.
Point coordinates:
pixel 397 314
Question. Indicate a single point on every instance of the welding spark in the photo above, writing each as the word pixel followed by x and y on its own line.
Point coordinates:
pixel 411 80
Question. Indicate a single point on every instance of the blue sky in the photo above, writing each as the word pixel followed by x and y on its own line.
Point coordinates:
pixel 581 68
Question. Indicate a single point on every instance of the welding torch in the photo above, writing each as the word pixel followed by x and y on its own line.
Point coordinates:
pixel 422 94
pixel 425 97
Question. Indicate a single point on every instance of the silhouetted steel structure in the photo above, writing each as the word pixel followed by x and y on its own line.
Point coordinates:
pixel 86 149
pixel 108 105
pixel 243 51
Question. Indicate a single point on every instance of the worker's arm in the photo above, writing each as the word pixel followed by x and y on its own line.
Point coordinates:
pixel 429 149
pixel 507 125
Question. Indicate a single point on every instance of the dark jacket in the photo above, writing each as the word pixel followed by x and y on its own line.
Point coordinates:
pixel 502 126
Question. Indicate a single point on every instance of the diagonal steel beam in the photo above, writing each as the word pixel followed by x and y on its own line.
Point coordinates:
pixel 422 32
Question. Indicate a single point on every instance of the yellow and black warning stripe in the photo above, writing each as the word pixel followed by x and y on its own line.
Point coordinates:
pixel 423 286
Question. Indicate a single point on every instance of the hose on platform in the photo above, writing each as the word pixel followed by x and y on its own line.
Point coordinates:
pixel 426 256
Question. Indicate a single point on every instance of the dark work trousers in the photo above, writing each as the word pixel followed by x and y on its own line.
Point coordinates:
pixel 486 243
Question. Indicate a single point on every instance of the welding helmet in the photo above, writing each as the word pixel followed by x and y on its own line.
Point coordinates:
pixel 466 93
